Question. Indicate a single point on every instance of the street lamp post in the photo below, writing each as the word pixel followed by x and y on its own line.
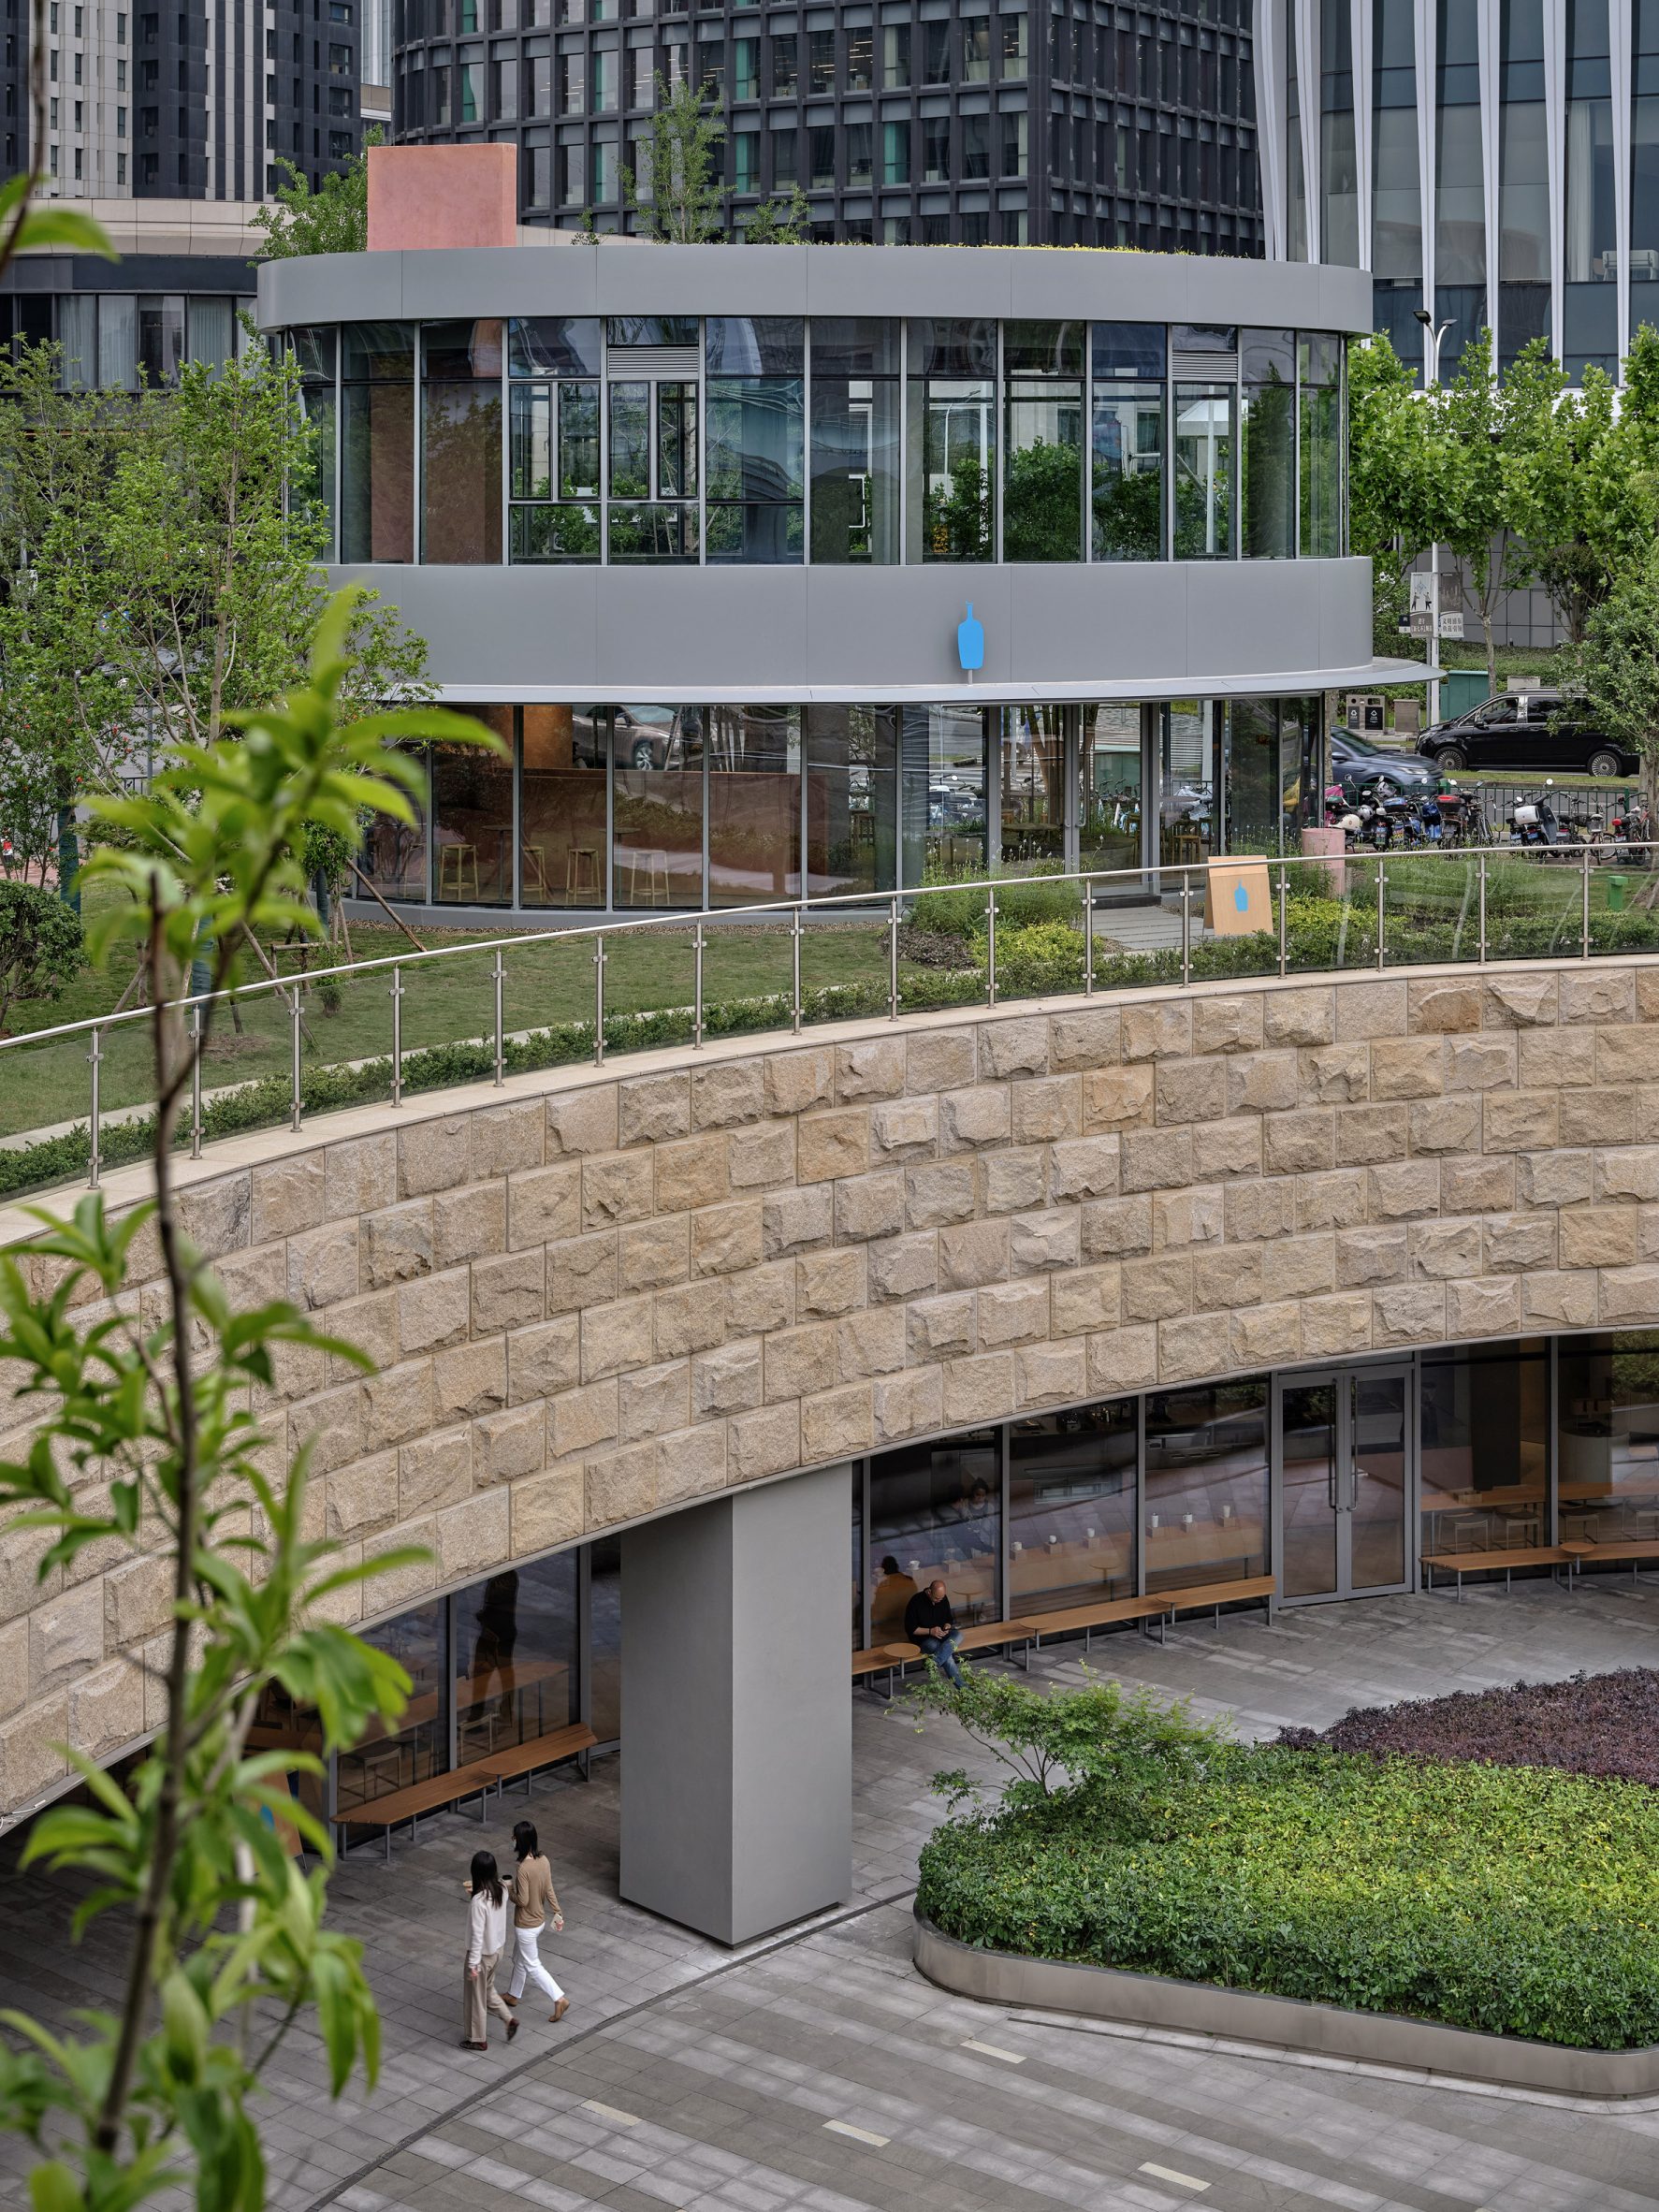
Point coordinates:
pixel 1434 333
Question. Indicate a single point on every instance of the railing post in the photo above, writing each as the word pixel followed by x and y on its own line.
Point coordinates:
pixel 1584 857
pixel 1186 926
pixel 1483 862
pixel 196 1080
pixel 697 990
pixel 1284 906
pixel 991 946
pixel 500 1041
pixel 95 1061
pixel 298 1012
pixel 1381 881
pixel 1088 936
pixel 794 1009
pixel 893 960
pixel 599 1000
pixel 396 999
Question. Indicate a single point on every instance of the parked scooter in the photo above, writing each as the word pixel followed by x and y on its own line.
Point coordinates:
pixel 1534 823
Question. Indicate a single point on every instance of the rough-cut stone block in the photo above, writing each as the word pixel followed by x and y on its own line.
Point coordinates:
pixel 1190 1090
pixel 470 1379
pixel 870 1341
pixel 653 1108
pixel 546 1511
pixel 1227 1024
pixel 972 1118
pixel 216 1217
pixel 1439 1008
pixel 760 1300
pixel 398 1403
pixel 653 1254
pixel 1366 1134
pixel 1044 1241
pixel 798 1081
pixel 65 1637
pixel 765 1443
pixel 434 1311
pixel 1521 1121
pixel 906 1128
pixel 940 1060
pixel 434 1155
pixel 1485 1063
pixel 1154 1159
pixel 1263 1083
pixel 1009 1181
pixel 836 1424
pixel 794 1221
pixel 1630 1173
pixel 729 1380
pixel 1408 1190
pixel 687 1319
pixel 577 1421
pixel 474 1538
pixel 545 1359
pixel 1629 1296
pixel 799 1362
pixel 1555 1060
pixel 1596 993
pixel 1332 1326
pixel 581 1271
pixel 909 1403
pixel 727 1093
pixel 1558 1301
pixel 360 1175
pixel 692 1173
pixel 1051 1374
pixel 874 1068
pixel 1161 1029
pixel 1224 1150
pixel 1365 1257
pixel 869 1207
pixel 1553 1178
pixel 621 1485
pixel 1117 1098
pixel 1190 1346
pixel 1299 1143
pixel 1518 1242
pixel 1598 1236
pixel 1114 1227
pixel 507 1138
pixel 1012 1312
pixel 1370 1010
pixel 903 1267
pixel 1334 1074
pixel 323 1265
pixel 1336 1200
pixel 1519 1001
pixel 691 1463
pixel 1012 1047
pixel 1408 1312
pixel 654 1401
pixel 829 1284
pixel 617 1186
pixel 758 1157
pixel 1408 1068
pixel 1156 1290
pixel 1299 1016
pixel 107 1708
pixel 1488 1307
pixel 30 1761
pixel 1256 1212
pixel 396 1245
pixel 1226 1278
pixel 509 1445
pixel 616 1338
pixel 470 1223
pixel 1265 1335
pixel 509 1292
pixel 830 1145
pixel 972 1254
pixel 402 1586
pixel 941 1328
pixel 1046 1108
pixel 286 1196
pixel 727 1238
pixel 1478 1186
pixel 1442 1249
pixel 1123 1359
pixel 137 1602
pixel 1446 1124
pixel 582 1121
pixel 974 1388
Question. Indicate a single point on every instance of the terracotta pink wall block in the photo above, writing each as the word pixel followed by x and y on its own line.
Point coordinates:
pixel 441 195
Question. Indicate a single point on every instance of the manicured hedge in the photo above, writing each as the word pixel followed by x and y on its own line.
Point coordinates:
pixel 1605 1724
pixel 1517 1900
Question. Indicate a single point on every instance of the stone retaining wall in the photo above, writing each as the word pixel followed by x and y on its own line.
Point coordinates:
pixel 594 1297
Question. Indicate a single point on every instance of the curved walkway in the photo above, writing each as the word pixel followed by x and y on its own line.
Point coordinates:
pixel 731 2063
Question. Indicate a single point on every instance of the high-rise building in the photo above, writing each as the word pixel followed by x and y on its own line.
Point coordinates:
pixel 1494 161
pixel 927 122
pixel 195 102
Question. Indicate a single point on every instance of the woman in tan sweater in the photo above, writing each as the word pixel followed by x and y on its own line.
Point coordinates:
pixel 533 1898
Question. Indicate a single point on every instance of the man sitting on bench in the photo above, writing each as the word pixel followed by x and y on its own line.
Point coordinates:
pixel 931 1627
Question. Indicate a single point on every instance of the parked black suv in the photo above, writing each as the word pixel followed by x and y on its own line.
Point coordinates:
pixel 1519 731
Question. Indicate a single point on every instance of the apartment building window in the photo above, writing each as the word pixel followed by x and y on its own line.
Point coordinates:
pixel 77 68
pixel 785 64
pixel 79 111
pixel 340 145
pixel 820 61
pixel 339 100
pixel 976 50
pixel 861 58
pixel 896 56
pixel 1014 145
pixel 51 114
pixel 538 164
pixel 78 161
pixel 785 155
pixel 121 124
pixel 572 173
pixel 858 153
pixel 121 168
pixel 538 77
pixel 52 64
pixel 120 30
pixel 745 69
pixel 746 161
pixel 711 66
pixel 821 154
pixel 935 54
pixel 935 149
pixel 120 75
pixel 340 60
pixel 1013 47
pixel 976 145
pixel 895 153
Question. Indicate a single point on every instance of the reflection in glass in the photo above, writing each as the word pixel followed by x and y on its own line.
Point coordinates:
pixel 1308 1482
pixel 1033 766
pixel 1204 441
pixel 942 792
pixel 851 799
pixel 1607 1444
pixel 515 1656
pixel 1322 429
pixel 461 442
pixel 935 1510
pixel 952 439
pixel 377 443
pixel 754 803
pixel 604 1641
pixel 1042 491
pixel 1206 1484
pixel 856 438
pixel 1186 826
pixel 1484 1416
pixel 561 834
pixel 1109 753
pixel 1072 1508
pixel 1339 236
pixel 1267 457
pixel 1129 496
pixel 1377 1515
pixel 657 803
pixel 473 816
pixel 379 1763
pixel 394 855
pixel 756 465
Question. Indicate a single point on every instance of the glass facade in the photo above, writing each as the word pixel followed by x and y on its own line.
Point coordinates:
pixel 769 440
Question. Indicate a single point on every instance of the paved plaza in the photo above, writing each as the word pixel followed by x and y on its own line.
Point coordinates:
pixel 817 2069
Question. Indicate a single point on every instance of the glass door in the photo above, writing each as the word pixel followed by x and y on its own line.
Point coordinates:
pixel 1342 1482
pixel 1110 804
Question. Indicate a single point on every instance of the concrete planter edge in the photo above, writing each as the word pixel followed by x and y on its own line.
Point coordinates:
pixel 1248 2016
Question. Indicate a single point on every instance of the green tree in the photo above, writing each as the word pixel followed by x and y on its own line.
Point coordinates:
pixel 780 222
pixel 1043 503
pixel 1397 496
pixel 334 219
pixel 1616 667
pixel 150 1442
pixel 680 199
pixel 957 513
pixel 40 945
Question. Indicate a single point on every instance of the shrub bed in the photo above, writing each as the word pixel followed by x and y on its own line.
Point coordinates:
pixel 1605 1724
pixel 1519 1900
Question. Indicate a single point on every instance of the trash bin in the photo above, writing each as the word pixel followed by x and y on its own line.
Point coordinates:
pixel 1617 887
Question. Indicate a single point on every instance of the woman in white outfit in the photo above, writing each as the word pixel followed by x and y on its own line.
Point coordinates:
pixel 487 1938
pixel 533 1898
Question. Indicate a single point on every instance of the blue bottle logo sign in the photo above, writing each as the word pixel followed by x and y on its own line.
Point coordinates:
pixel 1241 898
pixel 970 642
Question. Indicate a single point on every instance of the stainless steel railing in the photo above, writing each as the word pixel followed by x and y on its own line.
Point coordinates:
pixel 1428 883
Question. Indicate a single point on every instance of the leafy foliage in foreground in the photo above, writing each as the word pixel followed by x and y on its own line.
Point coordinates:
pixel 1515 1900
pixel 1605 1725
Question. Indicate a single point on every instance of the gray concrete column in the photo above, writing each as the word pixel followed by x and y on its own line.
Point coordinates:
pixel 736 1710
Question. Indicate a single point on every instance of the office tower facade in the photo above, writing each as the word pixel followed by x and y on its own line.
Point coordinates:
pixel 1496 161
pixel 903 122
pixel 163 102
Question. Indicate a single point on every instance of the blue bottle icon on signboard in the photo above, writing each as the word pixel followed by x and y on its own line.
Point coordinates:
pixel 970 642
pixel 1241 898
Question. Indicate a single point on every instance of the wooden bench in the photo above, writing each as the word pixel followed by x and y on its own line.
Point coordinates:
pixel 1635 1552
pixel 435 1795
pixel 520 1761
pixel 989 1635
pixel 1212 1596
pixel 1486 1563
pixel 1069 1619
pixel 878 1659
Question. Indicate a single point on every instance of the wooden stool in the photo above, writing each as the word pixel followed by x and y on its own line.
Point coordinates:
pixel 533 874
pixel 457 863
pixel 655 864
pixel 581 877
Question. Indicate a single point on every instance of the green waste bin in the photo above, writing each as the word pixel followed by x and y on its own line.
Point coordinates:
pixel 1617 887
